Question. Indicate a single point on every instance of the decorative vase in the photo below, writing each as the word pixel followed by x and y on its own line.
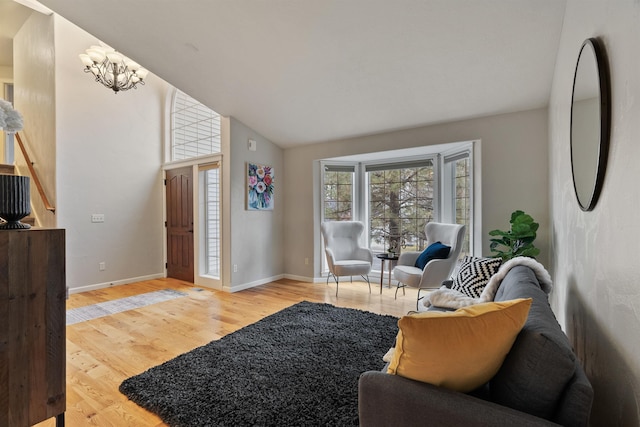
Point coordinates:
pixel 15 201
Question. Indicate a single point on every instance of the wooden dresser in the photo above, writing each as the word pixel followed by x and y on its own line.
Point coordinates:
pixel 32 326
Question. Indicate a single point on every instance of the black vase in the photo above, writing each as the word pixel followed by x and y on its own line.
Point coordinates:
pixel 15 202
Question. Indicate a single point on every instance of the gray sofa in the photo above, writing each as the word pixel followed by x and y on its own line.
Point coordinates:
pixel 541 382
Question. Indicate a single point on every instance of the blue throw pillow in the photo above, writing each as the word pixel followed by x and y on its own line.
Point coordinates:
pixel 435 251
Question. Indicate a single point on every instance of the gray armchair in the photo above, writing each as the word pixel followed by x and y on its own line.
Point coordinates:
pixel 345 255
pixel 437 270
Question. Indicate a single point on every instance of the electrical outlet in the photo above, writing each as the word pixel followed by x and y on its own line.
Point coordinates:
pixel 102 266
pixel 97 217
pixel 235 268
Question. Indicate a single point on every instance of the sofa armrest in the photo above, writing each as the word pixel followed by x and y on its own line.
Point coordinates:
pixel 391 400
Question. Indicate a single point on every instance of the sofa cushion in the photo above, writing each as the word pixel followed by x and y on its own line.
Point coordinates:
pixel 541 362
pixel 460 350
pixel 436 250
pixel 474 274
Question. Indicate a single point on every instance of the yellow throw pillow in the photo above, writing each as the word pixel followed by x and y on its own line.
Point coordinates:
pixel 460 350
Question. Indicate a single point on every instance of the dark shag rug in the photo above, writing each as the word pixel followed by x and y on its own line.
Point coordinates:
pixel 297 367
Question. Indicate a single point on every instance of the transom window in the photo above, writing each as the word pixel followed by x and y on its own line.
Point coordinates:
pixel 195 128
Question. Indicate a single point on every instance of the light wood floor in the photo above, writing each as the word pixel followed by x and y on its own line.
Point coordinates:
pixel 103 352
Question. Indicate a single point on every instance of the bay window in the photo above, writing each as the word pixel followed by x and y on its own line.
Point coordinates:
pixel 396 196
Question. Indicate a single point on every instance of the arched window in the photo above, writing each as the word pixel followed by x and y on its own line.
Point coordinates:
pixel 195 128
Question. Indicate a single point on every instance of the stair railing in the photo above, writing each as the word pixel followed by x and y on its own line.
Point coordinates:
pixel 34 176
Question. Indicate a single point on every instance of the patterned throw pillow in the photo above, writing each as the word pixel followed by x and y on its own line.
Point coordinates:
pixel 473 275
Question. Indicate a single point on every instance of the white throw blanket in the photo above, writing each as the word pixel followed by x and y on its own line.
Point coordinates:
pixel 449 298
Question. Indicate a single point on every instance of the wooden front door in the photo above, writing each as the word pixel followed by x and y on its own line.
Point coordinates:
pixel 179 190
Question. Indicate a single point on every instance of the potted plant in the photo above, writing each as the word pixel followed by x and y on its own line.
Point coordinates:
pixel 518 241
pixel 393 248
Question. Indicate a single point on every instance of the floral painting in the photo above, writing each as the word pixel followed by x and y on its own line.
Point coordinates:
pixel 260 187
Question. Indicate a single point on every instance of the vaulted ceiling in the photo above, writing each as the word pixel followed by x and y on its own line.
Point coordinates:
pixel 305 71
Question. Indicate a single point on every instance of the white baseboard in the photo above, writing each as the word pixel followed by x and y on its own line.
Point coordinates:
pixel 237 288
pixel 373 278
pixel 80 289
pixel 303 278
pixel 249 285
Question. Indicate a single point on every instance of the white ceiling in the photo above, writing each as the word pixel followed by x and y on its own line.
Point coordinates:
pixel 305 71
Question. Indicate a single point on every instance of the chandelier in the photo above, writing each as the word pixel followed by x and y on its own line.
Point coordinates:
pixel 113 69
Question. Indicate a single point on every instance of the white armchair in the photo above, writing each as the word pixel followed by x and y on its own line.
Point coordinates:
pixel 435 271
pixel 345 256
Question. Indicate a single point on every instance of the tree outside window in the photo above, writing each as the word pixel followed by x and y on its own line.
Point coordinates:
pixel 463 200
pixel 338 193
pixel 400 204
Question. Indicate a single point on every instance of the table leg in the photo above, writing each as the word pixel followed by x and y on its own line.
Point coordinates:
pixel 390 269
pixel 381 274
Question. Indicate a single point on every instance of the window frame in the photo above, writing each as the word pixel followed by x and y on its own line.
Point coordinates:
pixel 449 212
pixel 204 220
pixel 355 206
pixel 360 194
pixel 356 184
pixel 400 163
pixel 170 147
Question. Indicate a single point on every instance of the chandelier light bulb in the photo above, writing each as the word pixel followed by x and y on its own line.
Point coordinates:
pixel 114 57
pixel 142 73
pixel 132 65
pixel 86 60
pixel 96 53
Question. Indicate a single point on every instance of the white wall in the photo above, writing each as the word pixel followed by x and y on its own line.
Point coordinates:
pixel 108 161
pixel 514 162
pixel 109 154
pixel 595 254
pixel 34 98
pixel 256 236
pixel 6 76
pixel 6 73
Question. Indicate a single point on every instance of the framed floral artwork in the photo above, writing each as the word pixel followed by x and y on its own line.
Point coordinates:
pixel 259 187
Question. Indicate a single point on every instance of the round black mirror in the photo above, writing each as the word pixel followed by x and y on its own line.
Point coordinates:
pixel 590 123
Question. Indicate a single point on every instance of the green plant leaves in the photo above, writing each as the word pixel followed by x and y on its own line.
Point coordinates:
pixel 518 241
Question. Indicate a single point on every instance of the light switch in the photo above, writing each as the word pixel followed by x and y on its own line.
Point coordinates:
pixel 252 145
